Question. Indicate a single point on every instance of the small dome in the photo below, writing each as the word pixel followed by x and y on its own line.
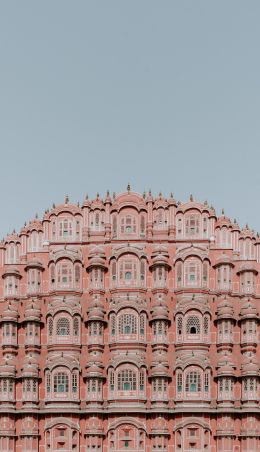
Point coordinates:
pixel 32 312
pixel 225 365
pixel 10 313
pixel 249 310
pixel 30 366
pixel 159 309
pixel 250 366
pixel 223 259
pixel 225 309
pixel 247 267
pixel 96 310
pixel 223 221
pixel 7 368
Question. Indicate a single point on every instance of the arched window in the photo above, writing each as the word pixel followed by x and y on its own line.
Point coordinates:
pixel 63 327
pixel 179 274
pixel 142 324
pixel 206 325
pixel 192 225
pixel 77 275
pixel 128 225
pixel 113 325
pixel 76 326
pixel 61 382
pixel 142 270
pixel 142 225
pixel 193 325
pixel 50 326
pixel 128 266
pixel 52 275
pixel 127 380
pixel 113 270
pixel 114 225
pixel 192 272
pixel 64 269
pixel 65 228
pixel 179 325
pixel 193 382
pixel 128 324
pixel 179 382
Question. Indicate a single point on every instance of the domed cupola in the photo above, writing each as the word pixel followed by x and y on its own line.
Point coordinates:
pixel 10 313
pixel 225 309
pixel 96 310
pixel 32 312
pixel 249 311
pixel 30 367
pixel 225 365
pixel 159 309
pixel 250 365
pixel 159 365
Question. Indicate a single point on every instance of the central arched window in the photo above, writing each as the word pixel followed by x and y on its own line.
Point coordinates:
pixel 196 383
pixel 61 382
pixel 127 324
pixel 128 225
pixel 126 380
pixel 65 228
pixel 192 225
pixel 192 272
pixel 193 382
pixel 63 327
pixel 193 325
pixel 65 275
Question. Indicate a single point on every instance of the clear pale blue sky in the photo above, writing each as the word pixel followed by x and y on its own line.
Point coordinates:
pixel 161 94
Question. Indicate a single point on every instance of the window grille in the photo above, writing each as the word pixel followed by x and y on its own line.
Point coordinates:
pixel 179 325
pixel 193 382
pixel 50 325
pixel 63 327
pixel 128 324
pixel 193 325
pixel 127 380
pixel 61 383
pixel 76 326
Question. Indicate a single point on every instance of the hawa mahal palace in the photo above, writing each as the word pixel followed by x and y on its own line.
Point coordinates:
pixel 130 323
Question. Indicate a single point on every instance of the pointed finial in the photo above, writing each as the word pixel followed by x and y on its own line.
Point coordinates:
pixel 97 195
pixel 144 194
pixel 128 187
pixel 25 223
pixel 160 194
pixel 36 215
pixel 150 192
pixel 114 195
pixel 53 205
pixel 235 221
pixel 108 193
pixel 86 197
pixel 78 203
pixel 171 194
pixel 223 212
pixel 66 199
pixel 191 198
pixel 247 226
pixel 205 203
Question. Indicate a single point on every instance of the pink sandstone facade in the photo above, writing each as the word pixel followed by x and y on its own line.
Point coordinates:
pixel 130 323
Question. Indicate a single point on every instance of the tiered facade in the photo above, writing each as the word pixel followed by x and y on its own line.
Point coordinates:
pixel 130 323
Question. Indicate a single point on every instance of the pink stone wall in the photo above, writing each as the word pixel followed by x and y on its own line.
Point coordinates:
pixel 130 323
